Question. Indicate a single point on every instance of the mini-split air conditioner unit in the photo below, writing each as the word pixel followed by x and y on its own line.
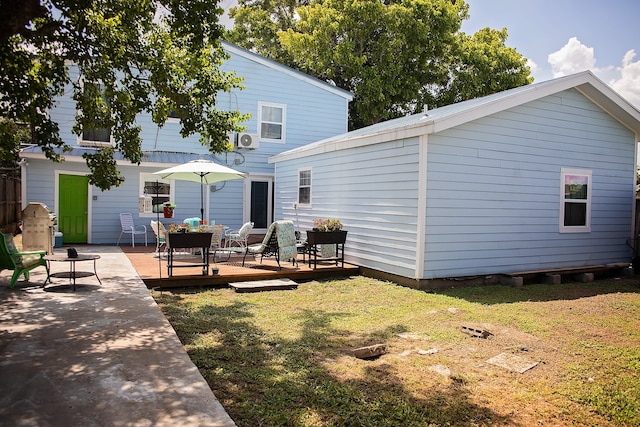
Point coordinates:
pixel 248 140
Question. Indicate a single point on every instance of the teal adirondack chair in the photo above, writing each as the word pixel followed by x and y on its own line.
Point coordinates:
pixel 20 262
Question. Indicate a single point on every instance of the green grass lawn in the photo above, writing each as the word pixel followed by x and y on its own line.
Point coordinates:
pixel 285 358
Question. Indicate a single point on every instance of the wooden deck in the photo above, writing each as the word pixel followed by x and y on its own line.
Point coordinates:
pixel 154 271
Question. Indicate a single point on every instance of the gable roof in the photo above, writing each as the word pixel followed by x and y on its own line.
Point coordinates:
pixel 446 117
pixel 237 50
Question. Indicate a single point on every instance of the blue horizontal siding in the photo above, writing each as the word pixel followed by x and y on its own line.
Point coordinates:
pixel 372 190
pixel 494 189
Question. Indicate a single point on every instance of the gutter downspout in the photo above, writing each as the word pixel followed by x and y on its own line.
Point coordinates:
pixel 422 207
pixel 23 182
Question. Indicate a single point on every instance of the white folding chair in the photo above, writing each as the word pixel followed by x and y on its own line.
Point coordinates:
pixel 128 227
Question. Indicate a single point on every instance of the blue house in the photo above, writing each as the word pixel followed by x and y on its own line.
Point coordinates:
pixel 288 109
pixel 537 177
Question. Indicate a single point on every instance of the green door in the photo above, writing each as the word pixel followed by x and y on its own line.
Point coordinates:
pixel 73 202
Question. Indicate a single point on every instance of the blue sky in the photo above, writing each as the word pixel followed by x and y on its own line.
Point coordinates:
pixel 562 37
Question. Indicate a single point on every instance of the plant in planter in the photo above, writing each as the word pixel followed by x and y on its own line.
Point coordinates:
pixel 326 240
pixel 327 225
pixel 186 228
pixel 178 228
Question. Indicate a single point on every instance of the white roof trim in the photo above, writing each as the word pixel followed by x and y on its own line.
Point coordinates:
pixel 585 82
pixel 236 50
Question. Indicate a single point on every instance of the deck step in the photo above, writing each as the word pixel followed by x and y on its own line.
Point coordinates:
pixel 264 285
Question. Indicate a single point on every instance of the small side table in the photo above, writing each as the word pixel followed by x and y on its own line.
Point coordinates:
pixel 72 274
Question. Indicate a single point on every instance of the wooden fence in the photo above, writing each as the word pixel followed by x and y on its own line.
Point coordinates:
pixel 10 200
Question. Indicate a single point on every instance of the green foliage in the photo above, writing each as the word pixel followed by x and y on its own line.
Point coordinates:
pixel 394 56
pixel 484 65
pixel 11 135
pixel 149 56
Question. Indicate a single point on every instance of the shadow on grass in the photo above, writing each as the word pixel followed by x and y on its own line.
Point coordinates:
pixel 263 380
pixel 501 294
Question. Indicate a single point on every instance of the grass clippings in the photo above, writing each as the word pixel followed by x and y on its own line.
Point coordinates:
pixel 285 358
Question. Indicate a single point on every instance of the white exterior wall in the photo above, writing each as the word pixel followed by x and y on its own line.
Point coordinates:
pixel 372 190
pixel 494 189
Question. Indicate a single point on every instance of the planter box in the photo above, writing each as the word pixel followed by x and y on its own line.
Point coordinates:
pixel 315 238
pixel 189 240
pixel 326 237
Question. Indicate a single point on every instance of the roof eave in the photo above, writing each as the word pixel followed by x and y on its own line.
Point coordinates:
pixel 333 144
pixel 237 50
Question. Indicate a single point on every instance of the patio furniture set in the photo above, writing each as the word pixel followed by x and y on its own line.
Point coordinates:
pixel 280 241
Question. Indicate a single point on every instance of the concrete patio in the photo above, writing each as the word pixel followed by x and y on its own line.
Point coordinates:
pixel 103 355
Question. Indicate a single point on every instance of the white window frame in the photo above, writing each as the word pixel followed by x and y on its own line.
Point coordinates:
pixel 151 177
pixel 283 133
pixel 91 143
pixel 309 186
pixel 565 175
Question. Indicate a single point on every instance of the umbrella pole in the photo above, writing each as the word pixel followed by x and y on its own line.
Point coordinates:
pixel 158 236
pixel 201 200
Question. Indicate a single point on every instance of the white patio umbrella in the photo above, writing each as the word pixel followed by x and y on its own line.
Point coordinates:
pixel 202 171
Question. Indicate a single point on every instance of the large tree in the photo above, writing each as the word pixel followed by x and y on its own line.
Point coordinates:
pixel 153 56
pixel 396 56
pixel 483 64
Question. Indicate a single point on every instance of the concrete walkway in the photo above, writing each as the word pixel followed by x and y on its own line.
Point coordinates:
pixel 99 356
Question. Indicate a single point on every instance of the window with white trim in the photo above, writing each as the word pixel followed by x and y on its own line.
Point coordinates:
pixel 154 192
pixel 95 137
pixel 304 187
pixel 575 201
pixel 271 122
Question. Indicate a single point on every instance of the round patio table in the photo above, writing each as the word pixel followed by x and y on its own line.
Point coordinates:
pixel 72 274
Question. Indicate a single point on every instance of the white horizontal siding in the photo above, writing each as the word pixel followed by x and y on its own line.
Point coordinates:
pixel 494 189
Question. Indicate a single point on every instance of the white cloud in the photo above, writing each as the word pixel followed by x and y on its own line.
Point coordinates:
pixel 628 84
pixel 532 66
pixel 572 58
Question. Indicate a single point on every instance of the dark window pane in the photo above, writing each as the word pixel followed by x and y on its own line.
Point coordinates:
pixel 575 214
pixel 271 131
pixel 304 195
pixel 100 135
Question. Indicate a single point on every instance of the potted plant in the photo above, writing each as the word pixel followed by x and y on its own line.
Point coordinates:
pixel 327 225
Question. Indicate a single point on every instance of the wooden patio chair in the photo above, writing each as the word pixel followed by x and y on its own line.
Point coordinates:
pixel 128 227
pixel 280 241
pixel 20 262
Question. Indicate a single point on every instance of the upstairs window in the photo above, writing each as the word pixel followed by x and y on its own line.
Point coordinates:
pixel 575 203
pixel 304 187
pixel 95 137
pixel 271 122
